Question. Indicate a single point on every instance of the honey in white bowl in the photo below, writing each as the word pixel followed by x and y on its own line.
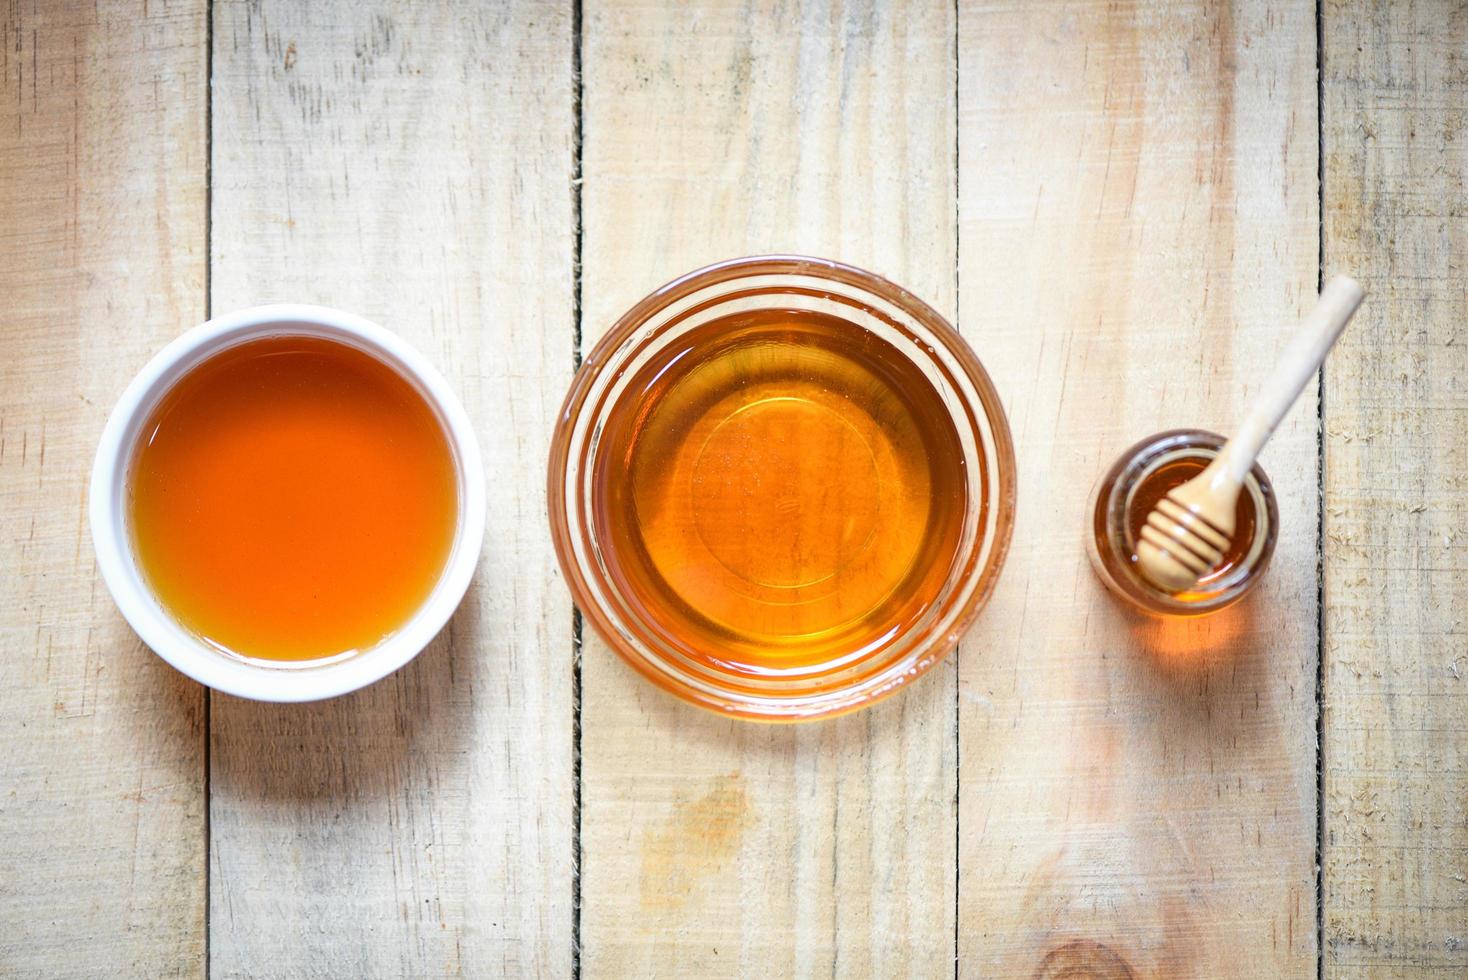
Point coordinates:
pixel 292 499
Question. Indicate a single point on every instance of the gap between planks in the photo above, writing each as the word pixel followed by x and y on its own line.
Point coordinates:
pixel 1320 506
pixel 208 733
pixel 577 622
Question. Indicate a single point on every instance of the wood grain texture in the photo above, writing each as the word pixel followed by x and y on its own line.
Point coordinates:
pixel 102 224
pixel 714 847
pixel 1395 851
pixel 1138 239
pixel 411 163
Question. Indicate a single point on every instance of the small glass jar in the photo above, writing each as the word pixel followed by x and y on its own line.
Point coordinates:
pixel 1126 494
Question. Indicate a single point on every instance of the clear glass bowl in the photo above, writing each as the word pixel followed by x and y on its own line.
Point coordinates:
pixel 850 679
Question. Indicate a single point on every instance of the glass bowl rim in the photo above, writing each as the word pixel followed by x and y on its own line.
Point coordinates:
pixel 930 649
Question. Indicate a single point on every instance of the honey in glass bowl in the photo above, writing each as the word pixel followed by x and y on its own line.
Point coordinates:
pixel 784 491
pixel 781 488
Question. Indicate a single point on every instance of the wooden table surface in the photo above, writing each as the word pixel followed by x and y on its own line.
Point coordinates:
pixel 1124 205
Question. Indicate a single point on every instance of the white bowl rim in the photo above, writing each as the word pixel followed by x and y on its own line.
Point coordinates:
pixel 110 534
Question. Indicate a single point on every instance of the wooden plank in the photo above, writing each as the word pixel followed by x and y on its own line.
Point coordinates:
pixel 412 163
pixel 1395 848
pixel 1138 222
pixel 714 847
pixel 102 225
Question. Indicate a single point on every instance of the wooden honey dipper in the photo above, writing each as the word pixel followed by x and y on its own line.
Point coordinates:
pixel 1188 532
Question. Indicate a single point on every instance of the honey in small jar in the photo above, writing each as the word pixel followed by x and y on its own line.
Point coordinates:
pixel 1127 493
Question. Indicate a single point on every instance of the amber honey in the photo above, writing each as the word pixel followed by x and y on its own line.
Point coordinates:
pixel 1129 491
pixel 293 498
pixel 782 492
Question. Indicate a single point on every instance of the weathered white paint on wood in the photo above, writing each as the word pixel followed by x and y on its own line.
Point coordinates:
pixel 412 163
pixel 102 225
pixel 1138 203
pixel 1395 853
pixel 1137 184
pixel 716 847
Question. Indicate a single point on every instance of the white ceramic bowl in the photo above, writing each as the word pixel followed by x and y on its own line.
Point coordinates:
pixel 112 535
